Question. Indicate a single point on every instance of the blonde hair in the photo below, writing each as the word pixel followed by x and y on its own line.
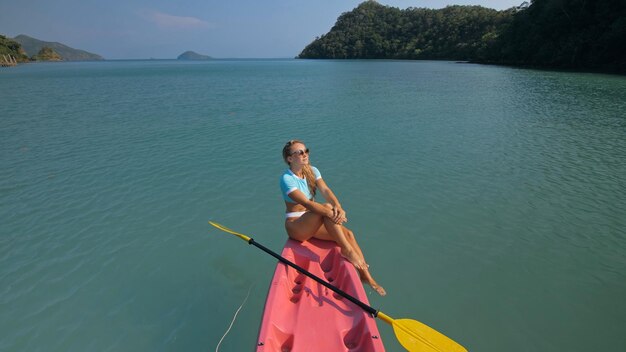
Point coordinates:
pixel 307 172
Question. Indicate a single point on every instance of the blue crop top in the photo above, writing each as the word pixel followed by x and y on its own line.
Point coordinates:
pixel 289 182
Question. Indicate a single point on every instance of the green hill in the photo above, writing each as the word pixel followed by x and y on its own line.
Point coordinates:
pixel 190 55
pixel 47 54
pixel 374 31
pixel 33 46
pixel 573 34
pixel 13 48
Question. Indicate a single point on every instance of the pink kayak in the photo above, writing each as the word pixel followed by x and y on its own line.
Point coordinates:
pixel 302 315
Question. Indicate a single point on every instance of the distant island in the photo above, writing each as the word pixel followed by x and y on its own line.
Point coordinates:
pixel 190 55
pixel 33 46
pixel 25 49
pixel 543 33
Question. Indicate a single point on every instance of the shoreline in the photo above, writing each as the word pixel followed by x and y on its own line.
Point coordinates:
pixel 614 72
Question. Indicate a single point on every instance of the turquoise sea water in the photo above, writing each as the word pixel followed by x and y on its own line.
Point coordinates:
pixel 490 201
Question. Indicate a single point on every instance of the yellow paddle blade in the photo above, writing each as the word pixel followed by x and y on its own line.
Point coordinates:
pixel 226 229
pixel 417 337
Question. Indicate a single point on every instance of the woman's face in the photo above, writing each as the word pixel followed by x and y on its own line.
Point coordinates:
pixel 299 154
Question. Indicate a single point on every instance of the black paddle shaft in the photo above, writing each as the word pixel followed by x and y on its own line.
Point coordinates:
pixel 364 306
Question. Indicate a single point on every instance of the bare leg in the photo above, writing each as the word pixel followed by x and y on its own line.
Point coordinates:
pixel 324 234
pixel 352 240
pixel 318 226
pixel 347 248
pixel 364 273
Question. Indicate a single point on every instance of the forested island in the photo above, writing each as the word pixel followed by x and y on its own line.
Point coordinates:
pixel 33 48
pixel 24 49
pixel 571 34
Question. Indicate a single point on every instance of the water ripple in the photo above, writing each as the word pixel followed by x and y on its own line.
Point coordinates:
pixel 502 189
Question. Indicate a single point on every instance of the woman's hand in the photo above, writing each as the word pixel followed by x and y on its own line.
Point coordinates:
pixel 339 215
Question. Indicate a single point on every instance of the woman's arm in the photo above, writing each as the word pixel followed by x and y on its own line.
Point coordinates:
pixel 339 215
pixel 298 197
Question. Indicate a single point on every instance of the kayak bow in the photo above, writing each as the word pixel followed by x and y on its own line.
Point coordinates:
pixel 412 335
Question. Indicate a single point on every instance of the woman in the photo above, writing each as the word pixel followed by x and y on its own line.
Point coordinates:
pixel 306 218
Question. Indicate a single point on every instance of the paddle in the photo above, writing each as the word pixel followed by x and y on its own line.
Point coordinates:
pixel 412 335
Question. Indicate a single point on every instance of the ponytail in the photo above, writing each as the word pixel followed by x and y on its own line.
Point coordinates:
pixel 308 174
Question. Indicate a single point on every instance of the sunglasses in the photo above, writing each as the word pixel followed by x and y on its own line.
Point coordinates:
pixel 300 152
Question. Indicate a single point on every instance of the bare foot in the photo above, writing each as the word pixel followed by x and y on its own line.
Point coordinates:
pixel 367 278
pixel 379 289
pixel 355 259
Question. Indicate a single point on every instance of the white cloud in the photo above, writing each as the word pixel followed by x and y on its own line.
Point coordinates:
pixel 165 20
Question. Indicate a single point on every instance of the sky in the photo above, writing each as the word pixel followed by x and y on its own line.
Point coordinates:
pixel 161 29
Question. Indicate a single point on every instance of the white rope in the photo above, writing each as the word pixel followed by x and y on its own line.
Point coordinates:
pixel 233 321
